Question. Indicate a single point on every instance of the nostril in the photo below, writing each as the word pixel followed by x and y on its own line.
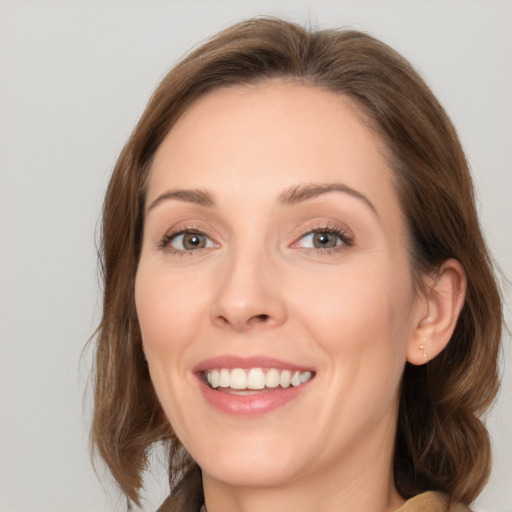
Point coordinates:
pixel 223 320
pixel 261 318
pixel 243 322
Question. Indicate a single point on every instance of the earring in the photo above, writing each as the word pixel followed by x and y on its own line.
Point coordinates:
pixel 424 348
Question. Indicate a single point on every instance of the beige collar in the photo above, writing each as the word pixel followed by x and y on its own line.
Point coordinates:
pixel 431 502
pixel 426 502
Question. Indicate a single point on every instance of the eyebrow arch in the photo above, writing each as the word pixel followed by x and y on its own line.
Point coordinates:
pixel 301 193
pixel 291 196
pixel 199 197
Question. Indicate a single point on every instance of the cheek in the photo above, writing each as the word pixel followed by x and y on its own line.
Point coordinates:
pixel 360 317
pixel 355 298
pixel 166 308
pixel 167 311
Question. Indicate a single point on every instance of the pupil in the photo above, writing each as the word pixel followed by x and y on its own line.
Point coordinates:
pixel 324 240
pixel 193 241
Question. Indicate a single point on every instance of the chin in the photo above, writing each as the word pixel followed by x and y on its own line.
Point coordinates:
pixel 251 464
pixel 244 473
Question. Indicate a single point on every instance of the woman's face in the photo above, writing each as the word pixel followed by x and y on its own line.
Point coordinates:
pixel 274 264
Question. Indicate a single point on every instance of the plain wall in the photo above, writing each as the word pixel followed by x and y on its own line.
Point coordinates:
pixel 74 77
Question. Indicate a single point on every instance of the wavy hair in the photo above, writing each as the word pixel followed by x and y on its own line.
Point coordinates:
pixel 441 443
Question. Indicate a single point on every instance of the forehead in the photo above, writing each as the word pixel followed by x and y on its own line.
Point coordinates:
pixel 271 136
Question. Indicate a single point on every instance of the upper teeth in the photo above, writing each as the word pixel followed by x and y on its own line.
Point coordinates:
pixel 255 378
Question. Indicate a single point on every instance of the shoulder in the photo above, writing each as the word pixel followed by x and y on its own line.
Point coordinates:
pixel 431 502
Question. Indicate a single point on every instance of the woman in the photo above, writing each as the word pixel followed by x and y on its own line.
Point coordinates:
pixel 298 298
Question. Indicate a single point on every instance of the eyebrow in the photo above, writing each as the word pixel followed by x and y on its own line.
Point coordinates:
pixel 294 195
pixel 194 196
pixel 304 192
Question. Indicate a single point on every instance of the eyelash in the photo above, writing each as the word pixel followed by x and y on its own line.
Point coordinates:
pixel 343 236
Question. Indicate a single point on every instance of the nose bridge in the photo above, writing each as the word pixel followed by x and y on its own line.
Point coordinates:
pixel 248 292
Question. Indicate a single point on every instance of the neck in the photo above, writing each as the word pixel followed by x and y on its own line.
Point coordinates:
pixel 365 486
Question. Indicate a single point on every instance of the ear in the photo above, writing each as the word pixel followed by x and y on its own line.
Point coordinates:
pixel 437 313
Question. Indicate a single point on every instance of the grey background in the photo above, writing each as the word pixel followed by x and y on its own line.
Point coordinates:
pixel 75 76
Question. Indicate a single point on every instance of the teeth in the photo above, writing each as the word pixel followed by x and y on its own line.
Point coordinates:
pixel 214 379
pixel 255 378
pixel 305 376
pixel 224 378
pixel 238 379
pixel 272 378
pixel 286 378
pixel 295 379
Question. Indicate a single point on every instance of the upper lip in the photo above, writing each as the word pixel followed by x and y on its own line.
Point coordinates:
pixel 234 361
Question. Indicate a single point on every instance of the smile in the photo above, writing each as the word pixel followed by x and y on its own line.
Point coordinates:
pixel 251 386
pixel 240 379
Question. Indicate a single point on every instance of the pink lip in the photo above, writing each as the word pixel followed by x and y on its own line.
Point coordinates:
pixel 248 405
pixel 230 362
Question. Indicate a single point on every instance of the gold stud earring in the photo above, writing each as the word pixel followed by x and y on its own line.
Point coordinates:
pixel 424 348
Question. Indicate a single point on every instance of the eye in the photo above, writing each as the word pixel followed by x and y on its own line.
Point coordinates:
pixel 320 239
pixel 324 238
pixel 186 241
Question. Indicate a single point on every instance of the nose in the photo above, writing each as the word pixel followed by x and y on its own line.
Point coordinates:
pixel 249 294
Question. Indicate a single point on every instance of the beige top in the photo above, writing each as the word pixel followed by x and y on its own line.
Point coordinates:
pixel 426 502
pixel 431 502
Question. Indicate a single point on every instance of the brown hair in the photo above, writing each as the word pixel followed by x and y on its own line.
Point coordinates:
pixel 441 443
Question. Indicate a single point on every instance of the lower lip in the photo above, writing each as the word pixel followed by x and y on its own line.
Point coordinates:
pixel 250 405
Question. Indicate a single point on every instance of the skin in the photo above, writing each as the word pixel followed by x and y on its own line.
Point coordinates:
pixel 260 287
